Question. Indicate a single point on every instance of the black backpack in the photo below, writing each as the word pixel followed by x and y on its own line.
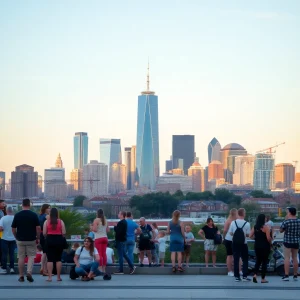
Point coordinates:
pixel 145 235
pixel 73 274
pixel 239 235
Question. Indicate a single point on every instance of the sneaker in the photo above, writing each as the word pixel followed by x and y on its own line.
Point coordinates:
pixel 150 265
pixel 295 277
pixel 3 271
pixel 132 270
pixel 246 279
pixel 238 279
pixel 29 278
pixel 241 273
pixel 12 271
pixel 119 273
pixel 285 278
pixel 141 265
pixel 231 274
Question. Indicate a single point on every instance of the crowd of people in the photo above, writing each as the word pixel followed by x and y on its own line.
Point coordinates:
pixel 41 238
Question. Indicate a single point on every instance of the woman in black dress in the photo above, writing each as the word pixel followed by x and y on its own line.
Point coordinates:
pixel 261 234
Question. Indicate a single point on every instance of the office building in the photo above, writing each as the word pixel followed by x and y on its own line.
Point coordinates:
pixel 95 176
pixel 215 170
pixel 2 185
pixel 147 140
pixel 24 182
pixel 183 151
pixel 110 153
pixel 169 165
pixel 77 181
pixel 213 184
pixel 58 162
pixel 214 150
pixel 127 152
pixel 182 181
pixel 243 170
pixel 81 143
pixel 40 185
pixel 284 175
pixel 264 172
pixel 198 177
pixel 118 178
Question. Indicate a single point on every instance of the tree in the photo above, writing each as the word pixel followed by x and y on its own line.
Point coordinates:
pixel 179 195
pixel 260 194
pixel 78 201
pixel 252 210
pixel 206 195
pixel 74 221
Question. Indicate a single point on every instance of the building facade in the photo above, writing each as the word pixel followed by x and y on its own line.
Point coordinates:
pixel 184 181
pixel 198 177
pixel 215 170
pixel 81 143
pixel 243 170
pixel 77 181
pixel 147 142
pixel 264 172
pixel 214 150
pixel 183 152
pixel 2 185
pixel 118 178
pixel 40 185
pixel 284 175
pixel 55 186
pixel 169 165
pixel 130 163
pixel 95 176
pixel 59 162
pixel 24 182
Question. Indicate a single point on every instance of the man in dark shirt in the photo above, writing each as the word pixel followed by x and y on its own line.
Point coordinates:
pixel 121 236
pixel 26 229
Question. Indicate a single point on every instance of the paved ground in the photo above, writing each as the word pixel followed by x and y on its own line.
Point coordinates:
pixel 148 287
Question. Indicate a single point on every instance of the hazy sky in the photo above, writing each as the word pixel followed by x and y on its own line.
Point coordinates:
pixel 228 69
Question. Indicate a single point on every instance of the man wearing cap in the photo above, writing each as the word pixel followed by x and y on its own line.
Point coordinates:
pixel 8 242
pixel 291 229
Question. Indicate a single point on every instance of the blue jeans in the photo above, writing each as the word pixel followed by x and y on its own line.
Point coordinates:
pixel 129 249
pixel 122 254
pixel 84 270
pixel 8 248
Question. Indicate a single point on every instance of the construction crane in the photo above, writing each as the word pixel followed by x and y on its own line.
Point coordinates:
pixel 269 150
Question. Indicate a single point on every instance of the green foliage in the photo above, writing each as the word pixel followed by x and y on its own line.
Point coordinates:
pixel 78 201
pixel 154 204
pixel 227 196
pixel 179 195
pixel 206 195
pixel 260 194
pixel 74 221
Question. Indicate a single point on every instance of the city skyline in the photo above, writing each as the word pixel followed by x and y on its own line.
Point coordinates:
pixel 65 76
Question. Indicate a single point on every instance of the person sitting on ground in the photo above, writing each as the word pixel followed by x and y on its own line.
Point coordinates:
pixel 38 256
pixel 189 238
pixel 68 256
pixel 87 260
pixel 110 255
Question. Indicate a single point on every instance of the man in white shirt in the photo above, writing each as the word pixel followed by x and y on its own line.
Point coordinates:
pixel 240 230
pixel 8 242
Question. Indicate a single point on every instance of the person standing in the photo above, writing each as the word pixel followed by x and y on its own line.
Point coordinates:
pixel 100 229
pixel 2 214
pixel 26 229
pixel 291 229
pixel 43 216
pixel 176 232
pixel 262 235
pixel 145 244
pixel 228 240
pixel 8 242
pixel 240 230
pixel 154 250
pixel 132 228
pixel 189 239
pixel 121 236
pixel 208 233
pixel 54 231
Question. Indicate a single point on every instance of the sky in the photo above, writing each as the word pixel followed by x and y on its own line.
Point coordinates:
pixel 225 69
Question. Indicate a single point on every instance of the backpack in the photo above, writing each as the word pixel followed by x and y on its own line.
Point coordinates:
pixel 145 235
pixel 239 235
pixel 73 274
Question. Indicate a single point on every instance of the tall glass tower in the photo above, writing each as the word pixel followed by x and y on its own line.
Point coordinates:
pixel 214 150
pixel 80 149
pixel 147 140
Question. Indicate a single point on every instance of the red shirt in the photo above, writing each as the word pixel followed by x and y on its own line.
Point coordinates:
pixel 57 230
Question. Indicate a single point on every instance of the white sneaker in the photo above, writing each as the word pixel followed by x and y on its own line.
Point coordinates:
pixel 3 271
pixel 241 273
pixel 231 274
pixel 12 271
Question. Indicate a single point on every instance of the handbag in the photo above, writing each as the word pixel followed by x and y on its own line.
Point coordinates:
pixel 218 239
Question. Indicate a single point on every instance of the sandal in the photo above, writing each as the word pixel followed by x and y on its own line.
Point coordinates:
pixel 180 269
pixel 174 269
pixel 21 279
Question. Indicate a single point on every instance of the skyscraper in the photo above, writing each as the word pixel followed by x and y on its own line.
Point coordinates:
pixel 147 140
pixel 127 152
pixel 118 178
pixel 80 149
pixel 77 181
pixel 215 170
pixel 198 178
pixel 214 150
pixel 58 162
pixel 40 185
pixel 169 165
pixel 2 185
pixel 243 170
pixel 264 171
pixel 110 153
pixel 24 182
pixel 183 151
pixel 284 175
pixel 94 179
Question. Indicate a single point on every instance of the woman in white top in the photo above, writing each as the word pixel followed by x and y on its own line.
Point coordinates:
pixel 87 260
pixel 228 240
pixel 100 230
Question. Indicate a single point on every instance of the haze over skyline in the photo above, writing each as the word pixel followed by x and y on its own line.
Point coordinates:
pixel 223 69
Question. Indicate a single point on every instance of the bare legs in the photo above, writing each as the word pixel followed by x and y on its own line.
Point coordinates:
pixel 50 270
pixel 179 259
pixel 213 255
pixel 229 262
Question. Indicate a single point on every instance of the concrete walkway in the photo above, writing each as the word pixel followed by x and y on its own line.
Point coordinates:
pixel 148 287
